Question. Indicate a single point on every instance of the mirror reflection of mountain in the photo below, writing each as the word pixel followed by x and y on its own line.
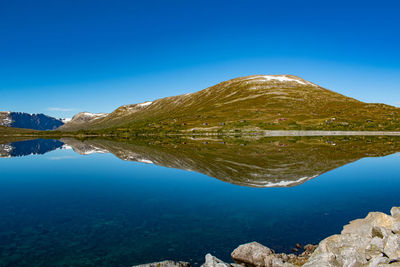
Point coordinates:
pixel 266 162
pixel 29 147
pixel 245 161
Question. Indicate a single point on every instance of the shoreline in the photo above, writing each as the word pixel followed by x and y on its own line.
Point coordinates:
pixel 331 133
pixel 371 242
pixel 264 133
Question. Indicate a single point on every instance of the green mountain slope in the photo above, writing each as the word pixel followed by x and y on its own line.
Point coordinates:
pixel 260 102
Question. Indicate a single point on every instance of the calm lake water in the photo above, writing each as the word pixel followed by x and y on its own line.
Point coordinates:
pixel 76 203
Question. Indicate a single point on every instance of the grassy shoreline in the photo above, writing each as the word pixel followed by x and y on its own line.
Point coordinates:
pixel 261 133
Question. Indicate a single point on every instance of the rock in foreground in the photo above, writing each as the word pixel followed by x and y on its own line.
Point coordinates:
pixel 255 254
pixel 372 241
pixel 166 264
pixel 212 261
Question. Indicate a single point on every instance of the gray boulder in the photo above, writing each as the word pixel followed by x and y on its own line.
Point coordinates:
pixel 255 254
pixel 212 261
pixel 166 264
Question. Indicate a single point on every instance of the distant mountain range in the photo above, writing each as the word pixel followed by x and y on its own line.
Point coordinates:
pixel 29 121
pixel 259 102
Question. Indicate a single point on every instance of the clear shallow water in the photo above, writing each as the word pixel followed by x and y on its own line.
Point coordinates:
pixel 66 209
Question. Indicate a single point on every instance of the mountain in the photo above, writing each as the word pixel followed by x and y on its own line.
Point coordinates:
pixel 29 121
pixel 252 103
pixel 266 162
pixel 81 119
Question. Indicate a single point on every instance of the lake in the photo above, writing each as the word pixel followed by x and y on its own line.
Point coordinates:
pixel 121 202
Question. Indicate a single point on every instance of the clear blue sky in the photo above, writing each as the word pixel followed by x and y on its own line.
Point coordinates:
pixel 65 56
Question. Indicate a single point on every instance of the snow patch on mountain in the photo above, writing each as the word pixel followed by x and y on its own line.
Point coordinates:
pixel 93 115
pixel 7 121
pixel 145 104
pixel 5 118
pixel 280 78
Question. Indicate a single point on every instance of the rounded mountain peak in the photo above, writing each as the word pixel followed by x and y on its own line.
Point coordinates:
pixel 282 78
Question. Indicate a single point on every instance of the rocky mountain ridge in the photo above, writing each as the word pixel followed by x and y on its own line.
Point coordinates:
pixel 82 119
pixel 29 121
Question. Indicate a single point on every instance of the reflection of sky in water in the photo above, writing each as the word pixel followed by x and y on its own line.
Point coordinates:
pixel 65 208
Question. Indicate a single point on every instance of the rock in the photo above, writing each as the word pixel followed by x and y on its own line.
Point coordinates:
pixel 340 250
pixel 395 212
pixel 363 226
pixel 372 241
pixel 212 261
pixel 166 264
pixel 284 257
pixel 375 248
pixel 392 247
pixel 310 248
pixel 253 253
pixel 378 261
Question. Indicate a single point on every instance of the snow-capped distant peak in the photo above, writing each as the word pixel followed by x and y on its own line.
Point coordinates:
pixel 65 120
pixel 88 114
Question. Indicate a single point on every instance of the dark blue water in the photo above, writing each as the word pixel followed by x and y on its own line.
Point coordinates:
pixel 66 209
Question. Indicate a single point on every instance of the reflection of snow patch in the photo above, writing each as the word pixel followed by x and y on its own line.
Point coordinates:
pixel 145 161
pixel 7 148
pixel 61 157
pixel 283 183
pixel 94 150
pixel 136 157
pixel 65 146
